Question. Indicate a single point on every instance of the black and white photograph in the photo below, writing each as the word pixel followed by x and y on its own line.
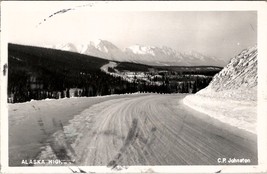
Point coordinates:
pixel 123 84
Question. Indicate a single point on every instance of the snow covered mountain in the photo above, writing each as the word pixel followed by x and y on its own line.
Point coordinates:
pixel 169 56
pixel 149 55
pixel 99 48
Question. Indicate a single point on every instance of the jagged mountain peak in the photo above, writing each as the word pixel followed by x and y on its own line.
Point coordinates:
pixel 104 43
pixel 139 49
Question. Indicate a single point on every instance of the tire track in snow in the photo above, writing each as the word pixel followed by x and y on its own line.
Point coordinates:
pixel 153 130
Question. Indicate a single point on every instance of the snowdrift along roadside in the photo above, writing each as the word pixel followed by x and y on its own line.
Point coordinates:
pixel 241 114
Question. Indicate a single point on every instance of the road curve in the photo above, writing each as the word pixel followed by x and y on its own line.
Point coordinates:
pixel 154 130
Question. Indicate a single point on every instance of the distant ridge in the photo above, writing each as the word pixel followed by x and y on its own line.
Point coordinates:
pixel 149 55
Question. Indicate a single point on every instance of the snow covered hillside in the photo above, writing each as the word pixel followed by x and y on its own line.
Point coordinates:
pixel 149 55
pixel 231 96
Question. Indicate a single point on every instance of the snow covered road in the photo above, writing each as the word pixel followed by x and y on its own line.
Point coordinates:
pixel 32 123
pixel 150 130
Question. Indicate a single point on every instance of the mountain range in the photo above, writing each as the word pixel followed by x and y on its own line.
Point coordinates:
pixel 149 55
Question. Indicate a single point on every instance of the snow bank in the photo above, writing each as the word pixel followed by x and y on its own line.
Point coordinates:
pixel 239 113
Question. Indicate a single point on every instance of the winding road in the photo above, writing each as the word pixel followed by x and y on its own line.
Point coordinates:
pixel 154 130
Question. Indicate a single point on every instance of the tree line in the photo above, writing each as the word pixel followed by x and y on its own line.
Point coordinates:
pixel 39 73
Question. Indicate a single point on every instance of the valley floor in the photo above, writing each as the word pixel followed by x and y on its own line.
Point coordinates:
pixel 141 129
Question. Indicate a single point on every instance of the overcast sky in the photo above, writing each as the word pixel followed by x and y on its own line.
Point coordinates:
pixel 221 34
